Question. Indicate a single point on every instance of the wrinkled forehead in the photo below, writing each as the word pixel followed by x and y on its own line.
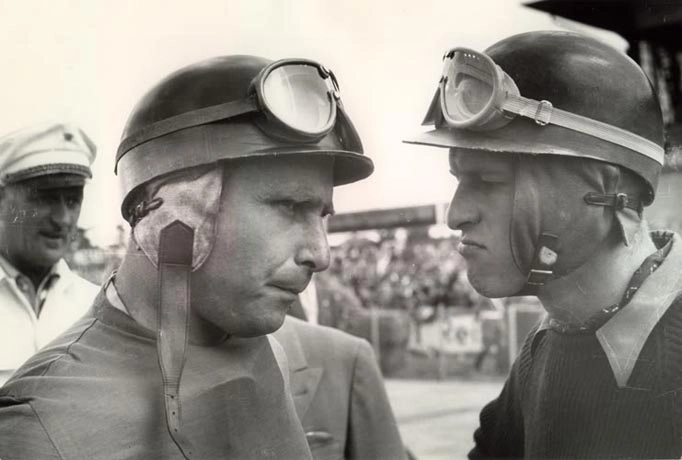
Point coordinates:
pixel 463 161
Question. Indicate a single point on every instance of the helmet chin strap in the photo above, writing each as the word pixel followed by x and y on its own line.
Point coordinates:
pixel 175 265
pixel 542 266
pixel 546 253
pixel 175 228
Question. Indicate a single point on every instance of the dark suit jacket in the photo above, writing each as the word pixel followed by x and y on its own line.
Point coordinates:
pixel 339 394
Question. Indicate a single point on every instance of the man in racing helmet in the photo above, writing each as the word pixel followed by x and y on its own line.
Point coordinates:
pixel 227 168
pixel 556 140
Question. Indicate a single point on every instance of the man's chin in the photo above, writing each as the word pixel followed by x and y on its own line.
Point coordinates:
pixel 260 326
pixel 45 260
pixel 495 288
pixel 50 254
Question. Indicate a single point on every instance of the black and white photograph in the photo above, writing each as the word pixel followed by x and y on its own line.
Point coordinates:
pixel 359 230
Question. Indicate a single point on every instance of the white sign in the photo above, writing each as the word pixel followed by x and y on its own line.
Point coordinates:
pixel 461 334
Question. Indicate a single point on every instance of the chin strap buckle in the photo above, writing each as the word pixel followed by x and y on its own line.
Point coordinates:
pixel 543 114
pixel 542 266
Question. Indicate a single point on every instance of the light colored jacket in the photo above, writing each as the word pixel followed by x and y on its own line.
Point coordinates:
pixel 22 333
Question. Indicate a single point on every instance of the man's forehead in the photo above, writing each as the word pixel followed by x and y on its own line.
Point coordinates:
pixel 290 173
pixel 462 160
pixel 299 191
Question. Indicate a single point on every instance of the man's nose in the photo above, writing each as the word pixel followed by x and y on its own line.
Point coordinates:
pixel 313 251
pixel 462 210
pixel 62 214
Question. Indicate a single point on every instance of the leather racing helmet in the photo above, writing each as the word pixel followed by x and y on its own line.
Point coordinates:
pixel 179 136
pixel 226 108
pixel 554 95
pixel 575 74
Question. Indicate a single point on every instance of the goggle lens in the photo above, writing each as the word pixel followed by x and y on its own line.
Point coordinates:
pixel 300 97
pixel 468 88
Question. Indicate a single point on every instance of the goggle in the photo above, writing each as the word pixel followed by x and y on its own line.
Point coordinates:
pixel 477 95
pixel 298 99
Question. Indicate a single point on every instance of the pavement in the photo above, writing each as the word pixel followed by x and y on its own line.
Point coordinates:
pixel 437 419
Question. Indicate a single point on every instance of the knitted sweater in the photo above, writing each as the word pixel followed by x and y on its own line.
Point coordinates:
pixel 562 399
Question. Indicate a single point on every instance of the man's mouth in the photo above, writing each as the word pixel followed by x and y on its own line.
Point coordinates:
pixel 295 287
pixel 471 242
pixel 54 235
pixel 469 246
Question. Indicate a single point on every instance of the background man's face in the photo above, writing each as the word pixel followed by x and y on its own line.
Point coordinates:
pixel 37 224
pixel 270 238
pixel 482 208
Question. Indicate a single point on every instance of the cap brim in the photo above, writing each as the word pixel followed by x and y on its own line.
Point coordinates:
pixel 53 181
pixel 63 175
pixel 522 136
pixel 349 166
pixel 205 144
pixel 492 141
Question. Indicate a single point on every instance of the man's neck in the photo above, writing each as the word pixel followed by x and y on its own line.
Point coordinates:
pixel 35 274
pixel 137 285
pixel 599 283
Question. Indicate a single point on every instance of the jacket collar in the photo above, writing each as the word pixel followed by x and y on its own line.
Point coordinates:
pixel 7 270
pixel 624 335
pixel 304 379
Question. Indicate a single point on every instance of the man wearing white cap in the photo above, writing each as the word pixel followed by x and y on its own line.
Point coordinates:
pixel 42 173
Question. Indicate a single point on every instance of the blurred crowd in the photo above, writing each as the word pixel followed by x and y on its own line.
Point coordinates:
pixel 403 273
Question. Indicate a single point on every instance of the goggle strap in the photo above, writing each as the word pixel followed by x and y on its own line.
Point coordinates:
pixel 543 113
pixel 188 119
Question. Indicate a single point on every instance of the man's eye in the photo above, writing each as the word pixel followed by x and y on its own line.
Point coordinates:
pixel 492 179
pixel 46 198
pixel 288 206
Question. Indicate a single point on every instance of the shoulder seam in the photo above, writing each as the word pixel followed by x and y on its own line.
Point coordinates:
pixel 68 348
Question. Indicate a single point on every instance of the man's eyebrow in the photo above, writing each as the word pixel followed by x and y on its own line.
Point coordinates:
pixel 299 195
pixel 315 202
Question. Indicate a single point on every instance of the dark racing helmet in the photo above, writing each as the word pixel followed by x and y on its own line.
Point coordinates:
pixel 556 75
pixel 235 107
pixel 572 110
pixel 170 162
